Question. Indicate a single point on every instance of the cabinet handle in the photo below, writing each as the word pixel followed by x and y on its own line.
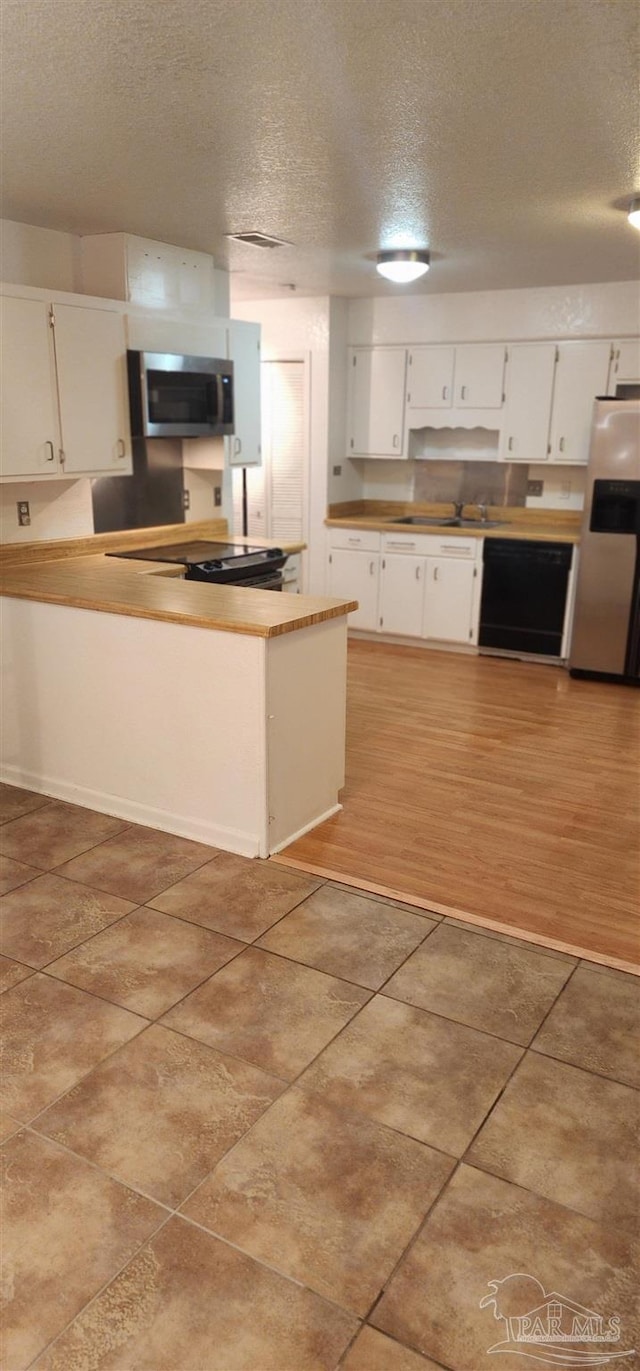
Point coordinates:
pixel 445 392
pixel 510 445
pixel 237 446
pixel 52 456
pixel 418 572
pixel 463 392
pixel 372 567
pixel 395 440
pixel 561 444
pixel 435 573
pixel 121 448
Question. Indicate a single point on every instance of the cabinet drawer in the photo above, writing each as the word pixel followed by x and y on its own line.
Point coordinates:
pixel 431 545
pixel 364 540
pixel 469 548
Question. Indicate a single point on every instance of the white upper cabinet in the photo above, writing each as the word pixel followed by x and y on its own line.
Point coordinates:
pixel 479 375
pixel 244 350
pixel 91 364
pixel 430 378
pixel 402 594
pixel 582 373
pixel 454 386
pixel 625 363
pixel 29 423
pixel 377 384
pixel 64 390
pixel 527 414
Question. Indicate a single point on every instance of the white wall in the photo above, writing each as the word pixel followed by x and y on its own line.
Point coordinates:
pixel 31 256
pixel 608 310
pixel 60 510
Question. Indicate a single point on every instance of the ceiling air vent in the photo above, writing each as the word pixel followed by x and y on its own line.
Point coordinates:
pixel 258 240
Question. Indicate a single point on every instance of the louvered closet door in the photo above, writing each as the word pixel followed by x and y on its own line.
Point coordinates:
pixel 275 491
pixel 284 446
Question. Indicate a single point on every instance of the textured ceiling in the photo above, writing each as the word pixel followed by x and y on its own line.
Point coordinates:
pixel 500 133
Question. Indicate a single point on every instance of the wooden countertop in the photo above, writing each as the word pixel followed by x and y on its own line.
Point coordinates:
pixel 536 525
pixel 77 572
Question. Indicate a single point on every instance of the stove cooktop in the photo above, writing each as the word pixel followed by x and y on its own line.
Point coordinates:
pixel 189 554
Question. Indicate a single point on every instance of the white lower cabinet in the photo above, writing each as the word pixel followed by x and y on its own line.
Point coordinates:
pixel 449 597
pixel 355 575
pixel 402 594
pixel 411 585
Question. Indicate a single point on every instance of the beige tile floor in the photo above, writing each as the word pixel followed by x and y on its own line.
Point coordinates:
pixel 254 1121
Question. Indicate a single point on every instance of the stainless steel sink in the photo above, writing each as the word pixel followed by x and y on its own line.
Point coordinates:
pixel 425 521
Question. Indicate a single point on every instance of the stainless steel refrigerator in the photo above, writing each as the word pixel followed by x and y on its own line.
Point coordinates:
pixel 606 628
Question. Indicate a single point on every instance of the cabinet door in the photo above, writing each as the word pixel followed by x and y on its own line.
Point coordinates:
pixel 581 373
pixel 625 364
pixel 244 349
pixel 402 594
pixel 448 600
pixel 430 378
pixel 91 365
pixel 355 576
pixel 30 438
pixel 527 414
pixel 479 375
pixel 376 401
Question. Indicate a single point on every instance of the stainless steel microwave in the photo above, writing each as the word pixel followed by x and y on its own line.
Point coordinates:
pixel 172 396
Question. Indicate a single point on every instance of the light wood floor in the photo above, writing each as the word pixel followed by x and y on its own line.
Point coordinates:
pixel 503 791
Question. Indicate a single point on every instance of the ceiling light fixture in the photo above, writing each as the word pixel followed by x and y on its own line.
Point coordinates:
pixel 634 212
pixel 402 265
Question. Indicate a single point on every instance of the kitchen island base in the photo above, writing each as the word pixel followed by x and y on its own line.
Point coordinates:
pixel 229 739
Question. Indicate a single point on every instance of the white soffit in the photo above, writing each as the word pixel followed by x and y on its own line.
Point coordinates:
pixel 499 133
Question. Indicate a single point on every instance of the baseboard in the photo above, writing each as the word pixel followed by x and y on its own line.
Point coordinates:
pixel 182 826
pixel 313 823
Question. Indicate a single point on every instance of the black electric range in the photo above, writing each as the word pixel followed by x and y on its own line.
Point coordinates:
pixel 219 563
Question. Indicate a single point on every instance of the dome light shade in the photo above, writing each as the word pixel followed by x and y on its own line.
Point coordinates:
pixel 402 265
pixel 634 212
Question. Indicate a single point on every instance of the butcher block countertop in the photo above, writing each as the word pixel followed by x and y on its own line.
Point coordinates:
pixel 548 525
pixel 77 572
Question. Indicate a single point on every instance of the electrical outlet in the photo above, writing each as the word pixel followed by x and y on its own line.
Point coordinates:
pixel 565 490
pixel 217 496
pixel 24 515
pixel 186 500
pixel 337 471
pixel 535 487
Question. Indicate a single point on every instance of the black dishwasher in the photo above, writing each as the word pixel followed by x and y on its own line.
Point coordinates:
pixel 524 594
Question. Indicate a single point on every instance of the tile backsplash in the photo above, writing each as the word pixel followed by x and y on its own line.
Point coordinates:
pixel 492 483
pixel 487 483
